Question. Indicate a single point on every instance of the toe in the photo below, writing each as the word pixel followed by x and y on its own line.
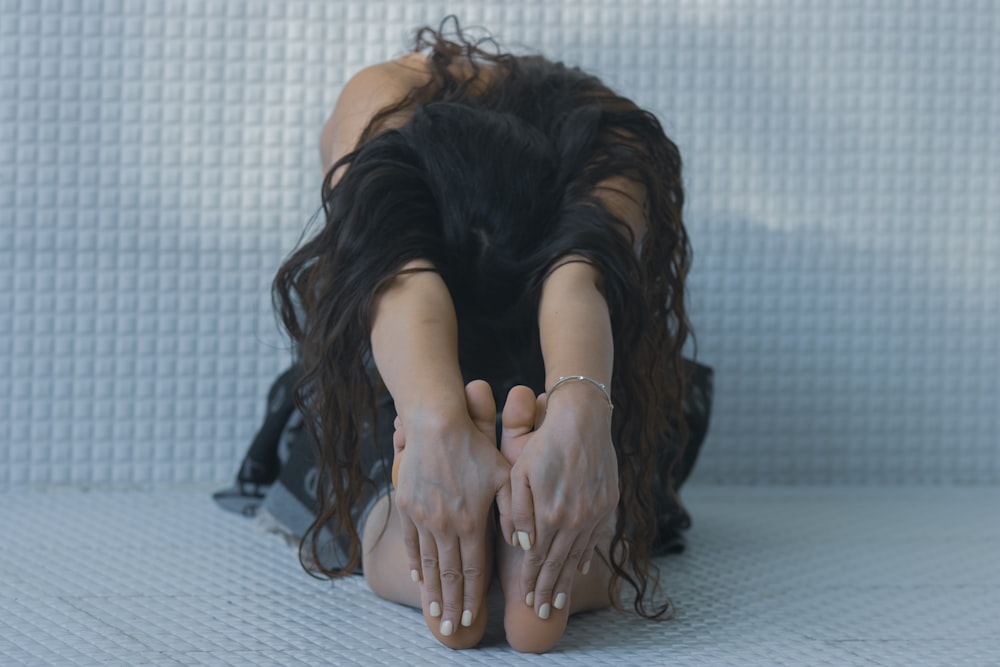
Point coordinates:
pixel 518 420
pixel 482 409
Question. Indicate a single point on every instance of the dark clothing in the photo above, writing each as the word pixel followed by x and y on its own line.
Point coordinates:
pixel 278 475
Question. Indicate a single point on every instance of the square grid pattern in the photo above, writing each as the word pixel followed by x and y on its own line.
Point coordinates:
pixel 159 160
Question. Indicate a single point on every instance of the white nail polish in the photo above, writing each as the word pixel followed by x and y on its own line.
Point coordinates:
pixel 447 628
pixel 586 568
pixel 524 539
pixel 543 611
pixel 529 599
pixel 560 601
pixel 513 539
pixel 434 609
pixel 415 576
pixel 466 618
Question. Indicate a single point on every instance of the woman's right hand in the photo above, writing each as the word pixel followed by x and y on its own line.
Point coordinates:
pixel 448 479
pixel 451 471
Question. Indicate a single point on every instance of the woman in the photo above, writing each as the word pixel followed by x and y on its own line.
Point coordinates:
pixel 498 228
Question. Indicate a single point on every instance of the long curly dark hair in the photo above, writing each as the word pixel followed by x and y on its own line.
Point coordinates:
pixel 493 181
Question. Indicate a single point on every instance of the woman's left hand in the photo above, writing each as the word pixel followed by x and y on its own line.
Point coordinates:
pixel 565 493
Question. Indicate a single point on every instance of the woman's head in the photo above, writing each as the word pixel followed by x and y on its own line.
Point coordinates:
pixel 470 189
pixel 493 178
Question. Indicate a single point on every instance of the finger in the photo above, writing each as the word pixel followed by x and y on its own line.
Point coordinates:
pixel 550 569
pixel 574 561
pixel 398 444
pixel 430 590
pixel 474 576
pixel 452 585
pixel 518 419
pixel 522 510
pixel 411 543
pixel 531 565
pixel 505 510
pixel 600 538
pixel 525 534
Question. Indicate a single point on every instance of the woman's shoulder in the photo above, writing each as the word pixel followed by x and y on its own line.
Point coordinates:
pixel 365 94
pixel 384 85
pixel 417 76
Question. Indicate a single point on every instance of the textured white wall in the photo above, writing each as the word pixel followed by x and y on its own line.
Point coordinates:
pixel 158 159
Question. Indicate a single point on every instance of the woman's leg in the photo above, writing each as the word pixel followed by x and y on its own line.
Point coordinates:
pixel 527 632
pixel 386 568
pixel 384 554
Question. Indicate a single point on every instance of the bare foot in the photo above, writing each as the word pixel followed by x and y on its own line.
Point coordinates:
pixel 482 410
pixel 526 630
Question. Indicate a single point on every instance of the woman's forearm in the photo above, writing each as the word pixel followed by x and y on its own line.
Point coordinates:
pixel 415 344
pixel 575 327
pixel 451 472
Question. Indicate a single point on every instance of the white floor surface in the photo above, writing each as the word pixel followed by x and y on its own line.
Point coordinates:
pixel 772 576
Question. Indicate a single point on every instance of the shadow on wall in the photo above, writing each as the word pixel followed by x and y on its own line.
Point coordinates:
pixel 843 360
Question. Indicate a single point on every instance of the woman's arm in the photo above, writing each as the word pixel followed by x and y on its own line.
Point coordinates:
pixel 565 481
pixel 415 344
pixel 366 93
pixel 451 471
pixel 379 87
pixel 574 325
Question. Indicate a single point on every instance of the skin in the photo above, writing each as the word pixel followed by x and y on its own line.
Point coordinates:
pixel 555 479
pixel 434 544
pixel 384 548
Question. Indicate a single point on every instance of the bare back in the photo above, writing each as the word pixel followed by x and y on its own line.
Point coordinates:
pixel 386 84
pixel 370 91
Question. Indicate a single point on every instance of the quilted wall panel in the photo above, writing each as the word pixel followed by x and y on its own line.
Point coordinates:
pixel 842 163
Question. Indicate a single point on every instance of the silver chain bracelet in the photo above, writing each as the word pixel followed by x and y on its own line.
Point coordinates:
pixel 583 378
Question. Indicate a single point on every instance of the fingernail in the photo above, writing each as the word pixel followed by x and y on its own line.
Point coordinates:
pixel 415 576
pixel 466 618
pixel 524 539
pixel 447 628
pixel 513 539
pixel 586 568
pixel 435 609
pixel 529 599
pixel 543 611
pixel 560 601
